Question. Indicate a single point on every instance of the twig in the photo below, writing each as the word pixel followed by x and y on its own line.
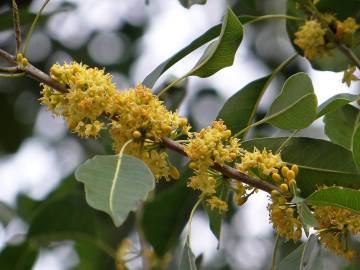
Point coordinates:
pixel 16 19
pixel 226 170
pixel 34 73
pixel 348 53
pixel 9 69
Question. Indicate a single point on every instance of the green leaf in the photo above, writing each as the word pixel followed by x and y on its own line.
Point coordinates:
pixel 306 217
pixel 209 35
pixel 6 213
pixel 305 256
pixel 295 107
pixel 189 3
pixel 310 254
pixel 340 125
pixel 320 162
pixel 215 217
pixel 52 223
pixel 115 184
pixel 188 259
pixel 220 53
pixel 292 261
pixel 165 234
pixel 356 146
pixel 336 196
pixel 20 257
pixel 335 102
pixel 239 110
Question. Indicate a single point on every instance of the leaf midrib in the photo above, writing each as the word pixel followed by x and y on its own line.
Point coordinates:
pixel 271 117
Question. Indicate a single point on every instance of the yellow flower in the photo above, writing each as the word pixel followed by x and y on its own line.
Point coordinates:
pixel 346 28
pixel 334 225
pixel 139 115
pixel 204 182
pixel 139 111
pixel 349 76
pixel 89 93
pixel 209 146
pixel 310 38
pixel 266 162
pixel 216 203
pixel 212 144
pixel 286 223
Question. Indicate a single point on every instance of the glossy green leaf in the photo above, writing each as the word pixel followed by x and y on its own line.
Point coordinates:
pixel 189 3
pixel 188 258
pixel 356 146
pixel 340 125
pixel 334 60
pixel 295 107
pixel 165 234
pixel 115 184
pixel 209 35
pixel 20 257
pixel 215 217
pixel 239 110
pixel 336 196
pixel 335 102
pixel 320 162
pixel 220 53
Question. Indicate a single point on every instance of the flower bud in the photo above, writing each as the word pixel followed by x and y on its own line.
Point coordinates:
pixel 284 187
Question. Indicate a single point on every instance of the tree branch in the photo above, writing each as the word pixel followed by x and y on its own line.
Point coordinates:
pixel 16 19
pixel 34 73
pixel 226 170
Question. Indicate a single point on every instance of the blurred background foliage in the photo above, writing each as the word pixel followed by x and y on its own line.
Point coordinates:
pixel 45 221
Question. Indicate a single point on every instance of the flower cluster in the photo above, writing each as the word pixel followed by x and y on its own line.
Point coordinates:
pixel 311 39
pixel 335 224
pixel 282 214
pixel 92 101
pixel 264 161
pixel 89 96
pixel 284 218
pixel 140 116
pixel 346 28
pixel 211 145
pixel 268 166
